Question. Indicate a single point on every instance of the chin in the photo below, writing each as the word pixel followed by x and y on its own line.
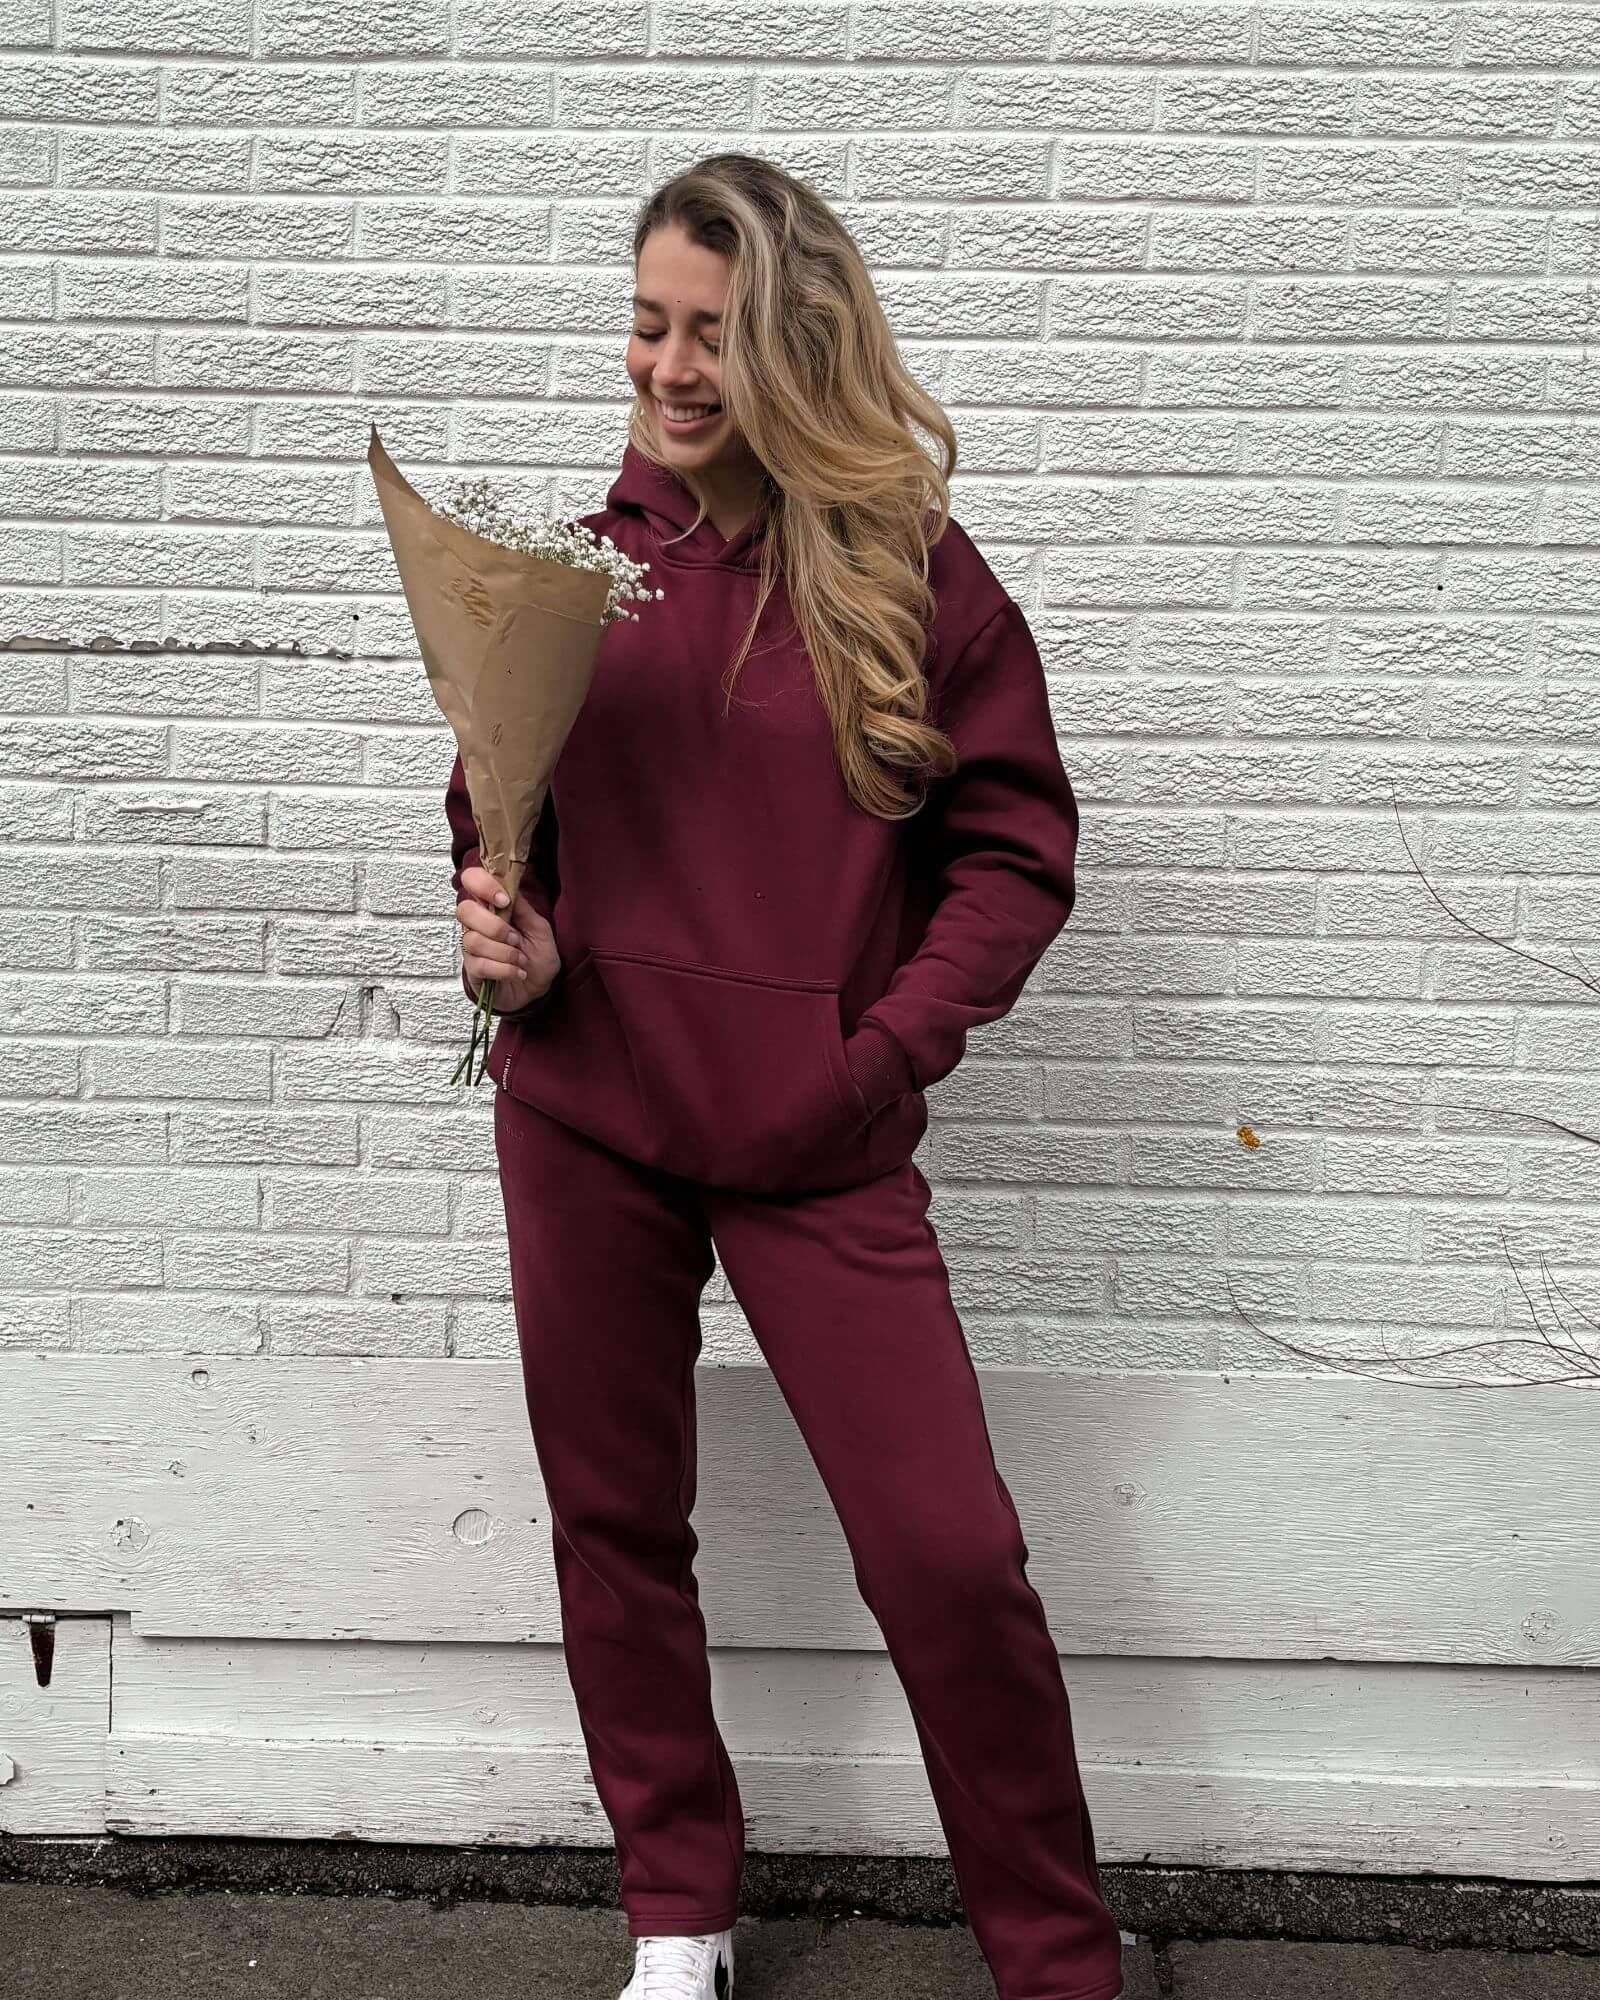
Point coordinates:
pixel 716 440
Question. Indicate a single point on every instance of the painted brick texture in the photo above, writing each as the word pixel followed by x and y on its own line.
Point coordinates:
pixel 1270 336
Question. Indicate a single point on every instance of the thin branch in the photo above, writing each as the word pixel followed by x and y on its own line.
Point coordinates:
pixel 1358 1365
pixel 1467 924
pixel 1563 1343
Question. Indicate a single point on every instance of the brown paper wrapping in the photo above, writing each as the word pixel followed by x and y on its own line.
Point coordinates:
pixel 509 642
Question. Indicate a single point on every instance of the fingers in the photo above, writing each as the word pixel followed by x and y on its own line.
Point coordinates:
pixel 478 882
pixel 497 938
pixel 519 924
pixel 485 958
pixel 473 915
pixel 491 945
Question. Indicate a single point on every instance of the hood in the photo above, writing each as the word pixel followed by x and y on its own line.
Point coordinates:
pixel 661 499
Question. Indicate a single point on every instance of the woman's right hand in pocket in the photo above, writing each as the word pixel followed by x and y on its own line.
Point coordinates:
pixel 516 949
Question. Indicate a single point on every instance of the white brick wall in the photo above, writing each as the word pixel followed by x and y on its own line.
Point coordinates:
pixel 1263 328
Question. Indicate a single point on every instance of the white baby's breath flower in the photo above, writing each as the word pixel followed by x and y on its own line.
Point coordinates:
pixel 475 504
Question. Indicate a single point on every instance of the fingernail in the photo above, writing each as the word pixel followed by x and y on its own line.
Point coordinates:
pixel 502 897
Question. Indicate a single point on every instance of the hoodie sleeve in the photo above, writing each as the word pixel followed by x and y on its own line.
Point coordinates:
pixel 540 882
pixel 1004 842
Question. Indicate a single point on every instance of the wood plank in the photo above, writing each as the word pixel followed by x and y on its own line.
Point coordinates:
pixel 1272 1517
pixel 53 1738
pixel 1314 1717
pixel 519 1796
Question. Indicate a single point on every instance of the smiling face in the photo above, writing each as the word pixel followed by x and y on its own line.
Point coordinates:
pixel 673 351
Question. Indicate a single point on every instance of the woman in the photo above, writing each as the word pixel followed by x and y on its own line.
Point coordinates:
pixel 810 828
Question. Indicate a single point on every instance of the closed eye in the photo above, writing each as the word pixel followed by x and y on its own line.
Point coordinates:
pixel 639 333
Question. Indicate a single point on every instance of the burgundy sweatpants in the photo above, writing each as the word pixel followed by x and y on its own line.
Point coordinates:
pixel 848 1295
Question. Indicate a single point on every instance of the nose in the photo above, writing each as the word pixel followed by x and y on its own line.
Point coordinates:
pixel 673 371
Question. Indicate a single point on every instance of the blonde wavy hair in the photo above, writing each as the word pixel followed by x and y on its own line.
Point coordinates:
pixel 813 381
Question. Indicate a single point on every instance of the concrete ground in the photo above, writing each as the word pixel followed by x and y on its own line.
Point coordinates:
pixel 76 1942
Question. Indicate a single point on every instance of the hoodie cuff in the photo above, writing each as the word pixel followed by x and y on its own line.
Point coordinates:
pixel 535 1006
pixel 473 858
pixel 879 1064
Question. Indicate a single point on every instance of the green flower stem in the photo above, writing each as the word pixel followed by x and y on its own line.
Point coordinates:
pixel 482 1028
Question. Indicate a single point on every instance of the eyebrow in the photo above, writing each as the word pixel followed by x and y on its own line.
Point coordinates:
pixel 653 305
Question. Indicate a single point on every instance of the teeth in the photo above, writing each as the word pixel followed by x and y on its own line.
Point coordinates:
pixel 681 412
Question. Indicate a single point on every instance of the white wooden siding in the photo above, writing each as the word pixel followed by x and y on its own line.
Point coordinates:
pixel 1305 1621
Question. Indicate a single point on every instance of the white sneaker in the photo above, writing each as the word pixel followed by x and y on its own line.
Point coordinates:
pixel 682 1968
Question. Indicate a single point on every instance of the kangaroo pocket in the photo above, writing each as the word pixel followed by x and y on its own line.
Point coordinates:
pixel 731 1078
pixel 741 1078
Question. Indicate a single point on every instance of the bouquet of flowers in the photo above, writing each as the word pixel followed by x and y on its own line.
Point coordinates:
pixel 508 615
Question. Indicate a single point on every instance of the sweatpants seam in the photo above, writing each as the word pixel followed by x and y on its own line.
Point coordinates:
pixel 1020 1570
pixel 687 1397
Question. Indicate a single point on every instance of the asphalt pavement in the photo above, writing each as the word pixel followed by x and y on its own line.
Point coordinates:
pixel 77 1942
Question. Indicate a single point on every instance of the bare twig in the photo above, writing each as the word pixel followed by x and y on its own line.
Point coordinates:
pixel 1584 979
pixel 1359 1364
pixel 1563 1344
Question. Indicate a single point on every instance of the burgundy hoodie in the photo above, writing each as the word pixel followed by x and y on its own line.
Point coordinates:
pixel 759 980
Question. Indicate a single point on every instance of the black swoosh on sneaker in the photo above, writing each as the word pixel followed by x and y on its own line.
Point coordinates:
pixel 720 1984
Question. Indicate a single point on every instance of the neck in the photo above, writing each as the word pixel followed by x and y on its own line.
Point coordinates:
pixel 733 494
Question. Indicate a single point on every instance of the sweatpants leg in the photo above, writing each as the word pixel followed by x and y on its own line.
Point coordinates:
pixel 608 1261
pixel 848 1295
